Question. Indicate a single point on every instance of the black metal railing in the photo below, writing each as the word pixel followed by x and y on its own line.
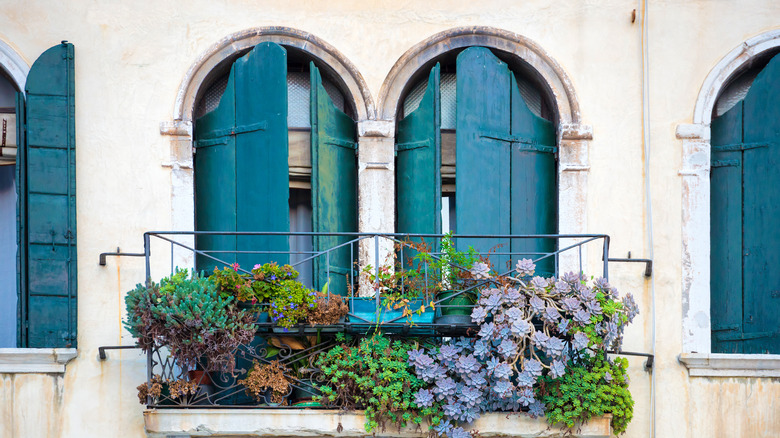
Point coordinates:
pixel 353 265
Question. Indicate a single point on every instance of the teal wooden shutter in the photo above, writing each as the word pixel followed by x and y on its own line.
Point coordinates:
pixel 333 185
pixel 21 223
pixel 726 233
pixel 241 170
pixel 483 157
pixel 761 212
pixel 534 203
pixel 418 165
pixel 506 171
pixel 745 207
pixel 48 202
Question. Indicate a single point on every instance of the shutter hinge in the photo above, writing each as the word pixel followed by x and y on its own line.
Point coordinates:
pixel 726 163
pixel 340 142
pixel 401 147
pixel 524 143
pixel 738 147
pixel 219 136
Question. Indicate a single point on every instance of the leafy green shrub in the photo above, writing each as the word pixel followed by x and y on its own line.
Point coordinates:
pixel 187 314
pixel 592 387
pixel 374 375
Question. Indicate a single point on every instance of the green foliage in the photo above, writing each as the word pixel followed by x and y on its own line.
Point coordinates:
pixel 265 282
pixel 269 280
pixel 591 387
pixel 231 284
pixel 375 375
pixel 292 304
pixel 187 314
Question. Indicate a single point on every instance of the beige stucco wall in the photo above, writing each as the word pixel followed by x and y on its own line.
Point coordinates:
pixel 131 58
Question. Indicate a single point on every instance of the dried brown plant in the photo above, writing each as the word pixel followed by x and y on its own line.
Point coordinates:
pixel 270 376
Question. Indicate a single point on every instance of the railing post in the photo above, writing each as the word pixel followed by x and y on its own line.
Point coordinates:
pixel 376 271
pixel 605 257
pixel 147 253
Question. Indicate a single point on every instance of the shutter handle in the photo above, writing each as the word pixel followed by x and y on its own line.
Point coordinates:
pixel 53 233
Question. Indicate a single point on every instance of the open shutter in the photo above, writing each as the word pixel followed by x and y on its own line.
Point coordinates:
pixel 48 202
pixel 534 202
pixel 726 232
pixel 241 169
pixel 418 164
pixel 333 186
pixel 21 223
pixel 483 154
pixel 761 213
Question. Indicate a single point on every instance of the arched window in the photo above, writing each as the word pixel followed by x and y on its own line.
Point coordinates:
pixel 476 153
pixel 275 151
pixel 745 212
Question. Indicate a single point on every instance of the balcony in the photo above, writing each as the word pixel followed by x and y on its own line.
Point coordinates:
pixel 413 288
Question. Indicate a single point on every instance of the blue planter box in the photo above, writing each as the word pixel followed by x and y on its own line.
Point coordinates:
pixel 365 308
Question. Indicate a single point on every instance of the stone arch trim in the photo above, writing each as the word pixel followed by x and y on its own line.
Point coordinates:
pixel 695 250
pixel 526 49
pixel 724 70
pixel 573 136
pixel 240 41
pixel 14 65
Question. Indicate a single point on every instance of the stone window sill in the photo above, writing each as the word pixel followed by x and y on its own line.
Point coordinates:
pixel 731 365
pixel 162 423
pixel 35 360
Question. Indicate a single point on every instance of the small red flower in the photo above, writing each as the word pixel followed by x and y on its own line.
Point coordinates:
pixel 235 266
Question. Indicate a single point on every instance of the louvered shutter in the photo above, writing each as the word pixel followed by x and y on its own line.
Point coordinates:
pixel 334 186
pixel 241 170
pixel 47 194
pixel 418 166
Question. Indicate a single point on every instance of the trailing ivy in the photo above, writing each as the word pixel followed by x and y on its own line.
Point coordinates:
pixel 374 375
pixel 593 386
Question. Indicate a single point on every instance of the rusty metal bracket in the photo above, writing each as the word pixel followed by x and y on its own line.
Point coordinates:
pixel 102 350
pixel 118 253
pixel 648 263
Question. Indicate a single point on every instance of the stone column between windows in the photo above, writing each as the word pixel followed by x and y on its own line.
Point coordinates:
pixel 182 189
pixel 573 168
pixel 376 191
pixel 695 176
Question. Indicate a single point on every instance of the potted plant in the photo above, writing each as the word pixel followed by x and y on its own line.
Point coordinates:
pixel 454 282
pixel 186 314
pixel 268 383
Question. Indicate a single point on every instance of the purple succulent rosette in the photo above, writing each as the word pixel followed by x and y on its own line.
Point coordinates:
pixel 529 327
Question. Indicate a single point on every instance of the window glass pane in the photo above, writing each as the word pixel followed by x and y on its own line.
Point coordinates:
pixel 300 221
pixel 531 95
pixel 7 256
pixel 297 98
pixel 298 95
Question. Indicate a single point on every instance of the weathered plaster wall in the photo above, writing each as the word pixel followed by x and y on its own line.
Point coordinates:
pixel 131 58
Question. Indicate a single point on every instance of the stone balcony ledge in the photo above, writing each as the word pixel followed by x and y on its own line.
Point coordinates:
pixel 224 423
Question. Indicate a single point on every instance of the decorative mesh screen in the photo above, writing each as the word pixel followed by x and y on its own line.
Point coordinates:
pixel 447 86
pixel 297 98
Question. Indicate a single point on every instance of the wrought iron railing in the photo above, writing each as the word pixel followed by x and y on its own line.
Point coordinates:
pixel 352 264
